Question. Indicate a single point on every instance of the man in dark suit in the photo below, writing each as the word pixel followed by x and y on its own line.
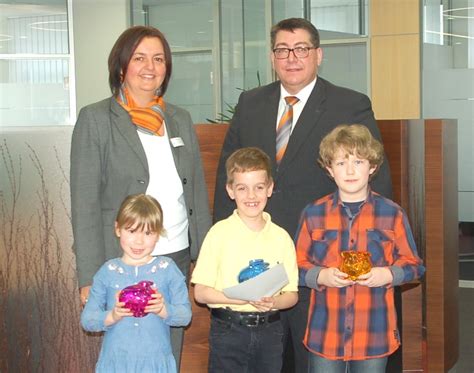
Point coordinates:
pixel 296 56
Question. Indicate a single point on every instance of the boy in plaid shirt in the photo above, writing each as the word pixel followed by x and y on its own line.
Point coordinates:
pixel 352 323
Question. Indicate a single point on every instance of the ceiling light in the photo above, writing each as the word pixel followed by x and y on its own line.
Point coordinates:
pixel 5 37
pixel 44 26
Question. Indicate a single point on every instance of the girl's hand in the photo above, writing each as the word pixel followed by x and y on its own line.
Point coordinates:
pixel 378 276
pixel 118 312
pixel 157 305
pixel 333 278
pixel 265 304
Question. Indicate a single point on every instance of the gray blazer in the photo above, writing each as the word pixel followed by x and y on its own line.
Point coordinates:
pixel 108 163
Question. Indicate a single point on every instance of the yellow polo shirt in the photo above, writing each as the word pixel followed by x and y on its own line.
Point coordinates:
pixel 230 245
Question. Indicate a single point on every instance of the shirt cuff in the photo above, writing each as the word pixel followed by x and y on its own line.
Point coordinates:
pixel 311 278
pixel 398 275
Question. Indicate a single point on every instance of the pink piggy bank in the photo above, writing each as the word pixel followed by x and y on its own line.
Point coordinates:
pixel 136 297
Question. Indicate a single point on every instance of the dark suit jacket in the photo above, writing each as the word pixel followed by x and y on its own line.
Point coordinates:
pixel 108 163
pixel 299 180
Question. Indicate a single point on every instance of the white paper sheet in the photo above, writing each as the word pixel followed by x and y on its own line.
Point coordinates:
pixel 264 285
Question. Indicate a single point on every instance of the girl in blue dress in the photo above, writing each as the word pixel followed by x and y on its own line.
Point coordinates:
pixel 137 344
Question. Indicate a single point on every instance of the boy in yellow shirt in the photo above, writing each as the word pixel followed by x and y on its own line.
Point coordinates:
pixel 245 336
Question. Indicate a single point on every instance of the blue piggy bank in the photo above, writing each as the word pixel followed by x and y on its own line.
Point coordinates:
pixel 254 268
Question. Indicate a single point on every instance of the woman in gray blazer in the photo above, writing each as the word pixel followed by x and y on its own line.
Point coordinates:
pixel 135 142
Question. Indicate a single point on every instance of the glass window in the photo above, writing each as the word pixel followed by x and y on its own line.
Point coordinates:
pixel 448 83
pixel 339 19
pixel 434 22
pixel 192 88
pixel 345 65
pixel 245 48
pixel 232 54
pixel 256 44
pixel 283 9
pixel 34 64
pixel 190 28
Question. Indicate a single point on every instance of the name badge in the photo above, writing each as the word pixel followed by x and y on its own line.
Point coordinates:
pixel 177 142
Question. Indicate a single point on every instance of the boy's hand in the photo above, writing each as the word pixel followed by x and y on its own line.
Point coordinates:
pixel 378 276
pixel 265 304
pixel 332 277
pixel 157 305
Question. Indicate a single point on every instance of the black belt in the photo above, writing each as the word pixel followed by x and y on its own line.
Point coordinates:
pixel 250 319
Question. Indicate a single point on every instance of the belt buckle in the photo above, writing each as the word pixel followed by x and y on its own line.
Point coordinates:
pixel 255 321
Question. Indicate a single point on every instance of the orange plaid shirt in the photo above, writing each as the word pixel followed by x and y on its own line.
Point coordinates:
pixel 355 322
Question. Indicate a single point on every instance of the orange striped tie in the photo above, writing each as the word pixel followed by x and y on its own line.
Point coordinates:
pixel 284 127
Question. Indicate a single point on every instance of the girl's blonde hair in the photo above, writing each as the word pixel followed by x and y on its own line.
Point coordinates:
pixel 142 212
pixel 354 139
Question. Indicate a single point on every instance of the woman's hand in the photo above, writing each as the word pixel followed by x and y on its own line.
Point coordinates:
pixel 333 278
pixel 84 294
pixel 157 305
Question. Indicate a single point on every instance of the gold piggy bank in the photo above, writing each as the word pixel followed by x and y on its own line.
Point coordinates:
pixel 355 263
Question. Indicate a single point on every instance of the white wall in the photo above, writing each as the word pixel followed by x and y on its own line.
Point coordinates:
pixel 96 26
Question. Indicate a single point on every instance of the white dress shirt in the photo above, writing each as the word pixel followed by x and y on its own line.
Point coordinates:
pixel 302 95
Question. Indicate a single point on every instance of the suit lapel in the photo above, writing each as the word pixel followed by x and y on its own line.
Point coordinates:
pixel 307 122
pixel 127 129
pixel 269 123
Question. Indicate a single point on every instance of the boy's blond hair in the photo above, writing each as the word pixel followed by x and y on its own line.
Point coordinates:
pixel 248 159
pixel 141 210
pixel 354 139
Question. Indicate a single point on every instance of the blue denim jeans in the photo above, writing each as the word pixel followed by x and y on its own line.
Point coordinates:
pixel 318 364
pixel 242 349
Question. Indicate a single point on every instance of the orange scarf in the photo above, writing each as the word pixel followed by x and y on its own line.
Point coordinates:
pixel 147 119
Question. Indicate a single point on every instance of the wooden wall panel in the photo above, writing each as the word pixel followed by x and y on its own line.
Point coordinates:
pixel 395 73
pixel 211 138
pixel 394 17
pixel 412 328
pixel 394 137
pixel 442 324
pixel 395 140
pixel 395 46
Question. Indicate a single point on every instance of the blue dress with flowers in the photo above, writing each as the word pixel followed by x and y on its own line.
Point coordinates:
pixel 137 344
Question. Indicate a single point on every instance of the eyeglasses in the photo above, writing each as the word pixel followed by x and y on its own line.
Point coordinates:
pixel 299 52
